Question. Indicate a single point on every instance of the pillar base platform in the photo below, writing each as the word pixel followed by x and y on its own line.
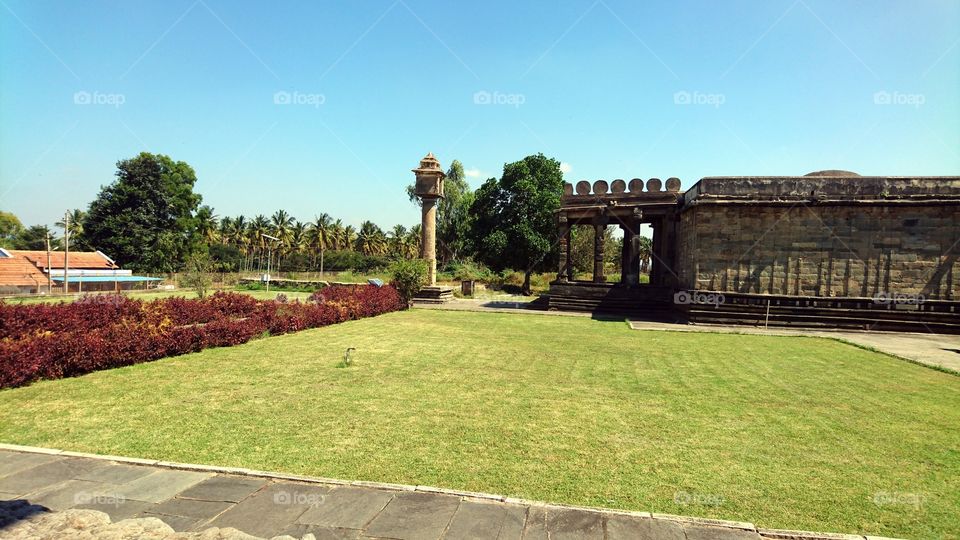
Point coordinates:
pixel 433 294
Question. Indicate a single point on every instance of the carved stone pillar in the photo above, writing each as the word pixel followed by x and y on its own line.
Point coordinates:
pixel 565 270
pixel 428 241
pixel 598 247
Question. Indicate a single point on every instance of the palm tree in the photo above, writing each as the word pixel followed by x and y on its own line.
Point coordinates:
pixel 282 223
pixel 370 239
pixel 348 237
pixel 413 241
pixel 206 224
pixel 76 224
pixel 645 252
pixel 398 239
pixel 321 237
pixel 258 227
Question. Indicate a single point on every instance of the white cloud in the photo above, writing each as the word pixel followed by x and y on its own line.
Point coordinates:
pixel 472 173
pixel 565 167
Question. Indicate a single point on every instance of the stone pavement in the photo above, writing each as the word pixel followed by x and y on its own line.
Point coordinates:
pixel 195 498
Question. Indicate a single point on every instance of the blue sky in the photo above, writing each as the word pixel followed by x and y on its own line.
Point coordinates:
pixel 613 89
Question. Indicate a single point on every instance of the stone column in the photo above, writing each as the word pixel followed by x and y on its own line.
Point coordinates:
pixel 428 238
pixel 627 256
pixel 598 230
pixel 564 269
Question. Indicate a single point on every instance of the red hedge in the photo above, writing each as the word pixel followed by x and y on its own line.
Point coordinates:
pixel 50 341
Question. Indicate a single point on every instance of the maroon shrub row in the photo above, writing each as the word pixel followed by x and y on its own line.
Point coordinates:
pixel 59 344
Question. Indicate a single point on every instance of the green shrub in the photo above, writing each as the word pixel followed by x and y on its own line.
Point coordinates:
pixel 408 276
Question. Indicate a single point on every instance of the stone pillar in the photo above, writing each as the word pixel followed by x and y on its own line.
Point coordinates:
pixel 628 257
pixel 565 268
pixel 598 230
pixel 428 238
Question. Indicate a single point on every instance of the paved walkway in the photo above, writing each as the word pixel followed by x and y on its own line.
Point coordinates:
pixel 938 350
pixel 194 498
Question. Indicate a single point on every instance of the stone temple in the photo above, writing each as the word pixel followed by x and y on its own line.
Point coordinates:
pixel 831 248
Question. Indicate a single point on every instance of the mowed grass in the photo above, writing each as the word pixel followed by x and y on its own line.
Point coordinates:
pixel 784 432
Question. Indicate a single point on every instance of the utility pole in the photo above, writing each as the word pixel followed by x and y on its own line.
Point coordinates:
pixel 66 252
pixel 49 277
pixel 269 256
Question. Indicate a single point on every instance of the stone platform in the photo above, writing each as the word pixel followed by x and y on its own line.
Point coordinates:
pixel 434 294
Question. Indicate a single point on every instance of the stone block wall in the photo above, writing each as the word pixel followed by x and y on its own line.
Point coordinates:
pixel 841 249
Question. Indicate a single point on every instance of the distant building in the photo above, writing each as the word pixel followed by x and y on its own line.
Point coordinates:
pixel 29 272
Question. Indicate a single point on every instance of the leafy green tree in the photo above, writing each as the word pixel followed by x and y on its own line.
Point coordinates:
pixel 34 238
pixel 145 218
pixel 514 223
pixel 197 274
pixel 10 228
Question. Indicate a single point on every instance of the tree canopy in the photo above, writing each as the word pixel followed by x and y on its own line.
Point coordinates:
pixel 145 219
pixel 513 218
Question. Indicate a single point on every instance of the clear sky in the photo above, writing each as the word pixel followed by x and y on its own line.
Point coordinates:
pixel 613 89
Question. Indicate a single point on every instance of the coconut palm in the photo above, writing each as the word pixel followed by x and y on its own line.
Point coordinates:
pixel 645 251
pixel 206 227
pixel 76 224
pixel 348 237
pixel 321 237
pixel 398 241
pixel 413 241
pixel 258 228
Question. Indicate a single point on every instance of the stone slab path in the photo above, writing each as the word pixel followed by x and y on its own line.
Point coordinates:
pixel 195 498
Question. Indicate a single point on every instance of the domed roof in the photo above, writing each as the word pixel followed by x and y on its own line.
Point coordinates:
pixel 833 172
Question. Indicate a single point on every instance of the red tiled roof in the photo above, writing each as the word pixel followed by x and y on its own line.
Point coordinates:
pixel 19 272
pixel 78 259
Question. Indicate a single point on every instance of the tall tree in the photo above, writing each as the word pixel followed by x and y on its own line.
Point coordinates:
pixel 144 218
pixel 10 227
pixel 76 225
pixel 514 223
pixel 34 238
pixel 206 225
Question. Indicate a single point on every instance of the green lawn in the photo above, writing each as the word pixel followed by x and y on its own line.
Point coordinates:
pixel 785 432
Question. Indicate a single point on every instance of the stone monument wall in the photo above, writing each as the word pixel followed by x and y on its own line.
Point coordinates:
pixel 830 237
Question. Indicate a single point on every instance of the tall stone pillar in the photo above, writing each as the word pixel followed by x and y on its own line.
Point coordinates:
pixel 564 270
pixel 598 249
pixel 429 189
pixel 428 238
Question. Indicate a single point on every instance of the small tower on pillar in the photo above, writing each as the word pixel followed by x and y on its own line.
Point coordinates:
pixel 429 189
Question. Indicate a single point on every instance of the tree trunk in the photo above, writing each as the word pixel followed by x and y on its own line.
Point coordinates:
pixel 321 264
pixel 526 284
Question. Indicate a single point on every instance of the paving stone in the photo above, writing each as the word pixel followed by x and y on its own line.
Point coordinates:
pixel 347 507
pixel 160 485
pixel 178 523
pixel 476 520
pixel 573 524
pixel 66 494
pixel 118 510
pixel 191 508
pixel 706 532
pixel 414 516
pixel 115 473
pixel 299 530
pixel 514 517
pixel 12 462
pixel 272 509
pixel 224 488
pixel 59 470
pixel 633 527
pixel 536 525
